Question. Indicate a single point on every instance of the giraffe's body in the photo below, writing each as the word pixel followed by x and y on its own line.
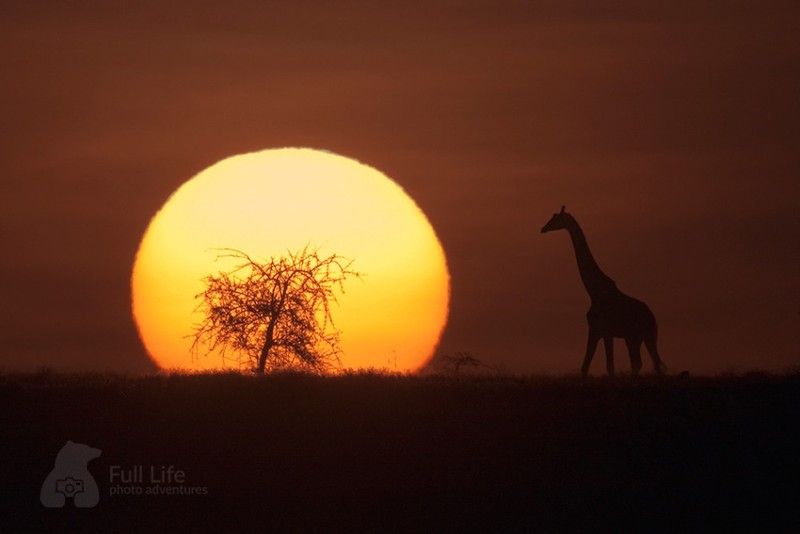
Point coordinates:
pixel 612 314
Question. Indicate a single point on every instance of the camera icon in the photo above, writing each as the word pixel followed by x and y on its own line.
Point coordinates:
pixel 69 486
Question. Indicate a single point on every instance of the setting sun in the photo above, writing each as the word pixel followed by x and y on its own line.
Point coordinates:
pixel 270 202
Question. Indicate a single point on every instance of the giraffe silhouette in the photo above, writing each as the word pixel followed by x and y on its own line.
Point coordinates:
pixel 612 312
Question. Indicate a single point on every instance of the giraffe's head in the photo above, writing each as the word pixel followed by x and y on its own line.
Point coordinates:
pixel 559 221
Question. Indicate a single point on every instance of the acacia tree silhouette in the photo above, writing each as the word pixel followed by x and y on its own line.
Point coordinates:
pixel 276 314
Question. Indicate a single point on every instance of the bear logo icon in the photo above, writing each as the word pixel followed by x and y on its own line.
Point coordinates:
pixel 71 478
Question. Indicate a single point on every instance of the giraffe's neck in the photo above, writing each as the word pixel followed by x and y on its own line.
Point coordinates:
pixel 594 280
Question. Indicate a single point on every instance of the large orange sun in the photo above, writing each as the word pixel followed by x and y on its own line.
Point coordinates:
pixel 270 202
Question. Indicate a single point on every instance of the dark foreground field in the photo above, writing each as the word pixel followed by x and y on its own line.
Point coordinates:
pixel 377 453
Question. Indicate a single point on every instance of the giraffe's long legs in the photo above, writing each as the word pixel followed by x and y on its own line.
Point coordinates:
pixel 658 365
pixel 591 345
pixel 609 345
pixel 634 349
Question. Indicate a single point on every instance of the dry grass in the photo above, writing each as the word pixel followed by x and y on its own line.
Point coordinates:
pixel 398 452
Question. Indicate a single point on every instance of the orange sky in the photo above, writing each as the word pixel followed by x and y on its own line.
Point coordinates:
pixel 671 133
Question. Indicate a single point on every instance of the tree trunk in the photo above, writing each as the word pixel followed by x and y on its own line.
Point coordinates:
pixel 262 358
pixel 269 340
pixel 268 343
